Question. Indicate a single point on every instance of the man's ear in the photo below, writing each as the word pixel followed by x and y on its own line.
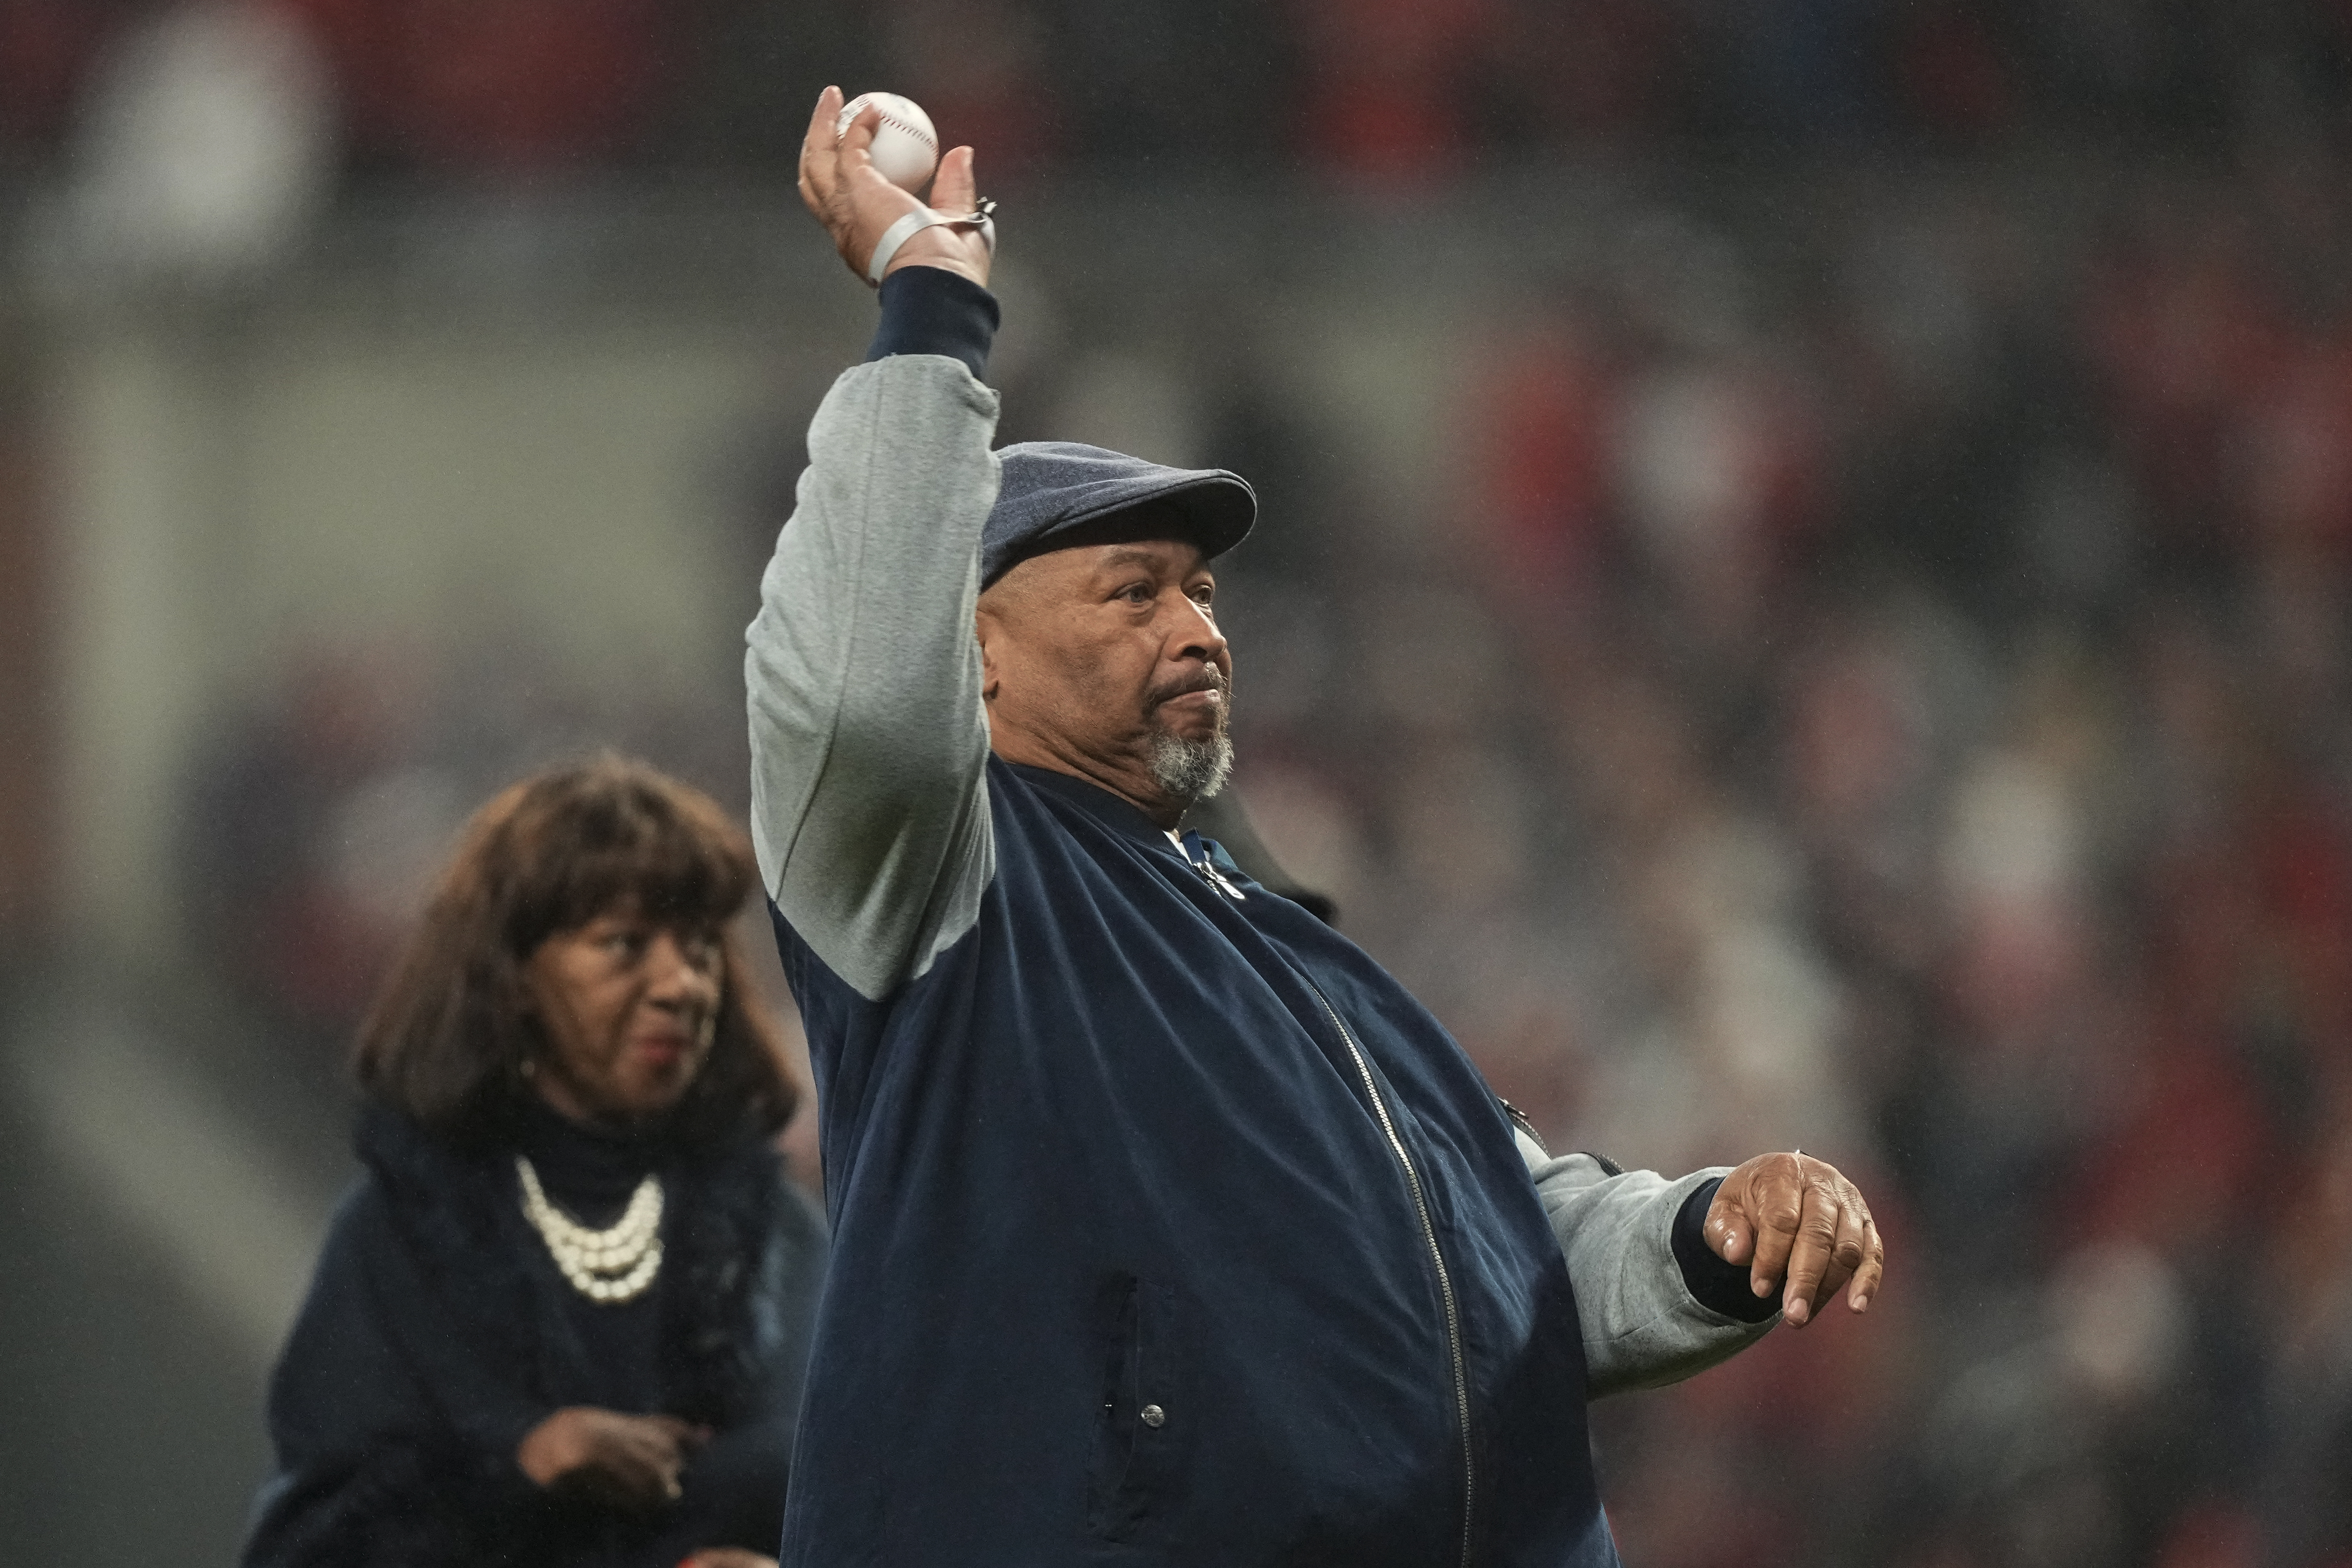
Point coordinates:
pixel 983 627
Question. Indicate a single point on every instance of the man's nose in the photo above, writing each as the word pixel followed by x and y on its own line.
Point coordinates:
pixel 1196 635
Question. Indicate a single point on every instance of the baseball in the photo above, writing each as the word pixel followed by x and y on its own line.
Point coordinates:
pixel 905 148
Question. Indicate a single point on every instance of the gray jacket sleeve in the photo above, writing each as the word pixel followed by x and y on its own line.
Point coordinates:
pixel 1642 1329
pixel 869 741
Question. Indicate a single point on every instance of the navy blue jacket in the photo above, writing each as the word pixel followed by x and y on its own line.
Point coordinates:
pixel 1166 1219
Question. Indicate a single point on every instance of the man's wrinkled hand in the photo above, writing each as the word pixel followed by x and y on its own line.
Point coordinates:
pixel 1802 1229
pixel 857 204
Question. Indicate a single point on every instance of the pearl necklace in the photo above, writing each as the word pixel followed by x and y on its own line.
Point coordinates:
pixel 613 1265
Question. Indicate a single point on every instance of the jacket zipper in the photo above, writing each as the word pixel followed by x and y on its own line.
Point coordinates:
pixel 1436 1258
pixel 1210 875
pixel 1209 872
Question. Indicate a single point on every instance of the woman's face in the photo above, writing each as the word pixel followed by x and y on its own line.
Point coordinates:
pixel 628 1008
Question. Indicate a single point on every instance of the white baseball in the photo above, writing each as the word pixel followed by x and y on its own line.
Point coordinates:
pixel 906 149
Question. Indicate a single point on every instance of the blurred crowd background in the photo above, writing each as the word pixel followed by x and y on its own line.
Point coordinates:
pixel 1800 600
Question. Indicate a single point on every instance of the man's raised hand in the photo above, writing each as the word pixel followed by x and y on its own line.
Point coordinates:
pixel 1793 1218
pixel 850 197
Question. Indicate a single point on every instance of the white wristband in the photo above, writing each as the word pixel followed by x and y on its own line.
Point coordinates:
pixel 983 218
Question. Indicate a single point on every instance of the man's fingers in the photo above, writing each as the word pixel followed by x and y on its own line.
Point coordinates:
pixel 817 151
pixel 1872 1269
pixel 1849 1249
pixel 1726 1229
pixel 856 146
pixel 820 131
pixel 1809 1257
pixel 952 188
pixel 1777 1208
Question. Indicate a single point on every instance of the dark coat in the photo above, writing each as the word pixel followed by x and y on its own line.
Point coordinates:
pixel 438 1331
pixel 1193 1238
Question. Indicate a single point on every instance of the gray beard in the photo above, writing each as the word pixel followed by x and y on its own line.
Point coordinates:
pixel 1190 771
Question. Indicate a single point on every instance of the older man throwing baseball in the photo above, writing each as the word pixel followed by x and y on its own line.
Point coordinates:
pixel 1167 1226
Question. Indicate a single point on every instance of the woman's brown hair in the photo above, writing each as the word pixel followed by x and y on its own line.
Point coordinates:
pixel 450 1035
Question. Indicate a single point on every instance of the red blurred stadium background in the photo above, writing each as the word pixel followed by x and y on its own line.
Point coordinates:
pixel 1802 600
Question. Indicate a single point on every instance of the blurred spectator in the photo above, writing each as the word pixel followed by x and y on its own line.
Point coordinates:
pixel 1392 94
pixel 508 85
pixel 976 65
pixel 205 145
pixel 45 46
pixel 1392 87
pixel 265 901
pixel 1542 415
pixel 315 823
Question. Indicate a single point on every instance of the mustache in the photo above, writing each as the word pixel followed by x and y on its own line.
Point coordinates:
pixel 1209 678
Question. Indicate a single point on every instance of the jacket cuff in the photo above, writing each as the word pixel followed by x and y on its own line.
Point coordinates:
pixel 1712 1283
pixel 930 311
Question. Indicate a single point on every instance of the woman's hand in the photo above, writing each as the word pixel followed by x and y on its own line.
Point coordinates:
pixel 631 1462
pixel 727 1557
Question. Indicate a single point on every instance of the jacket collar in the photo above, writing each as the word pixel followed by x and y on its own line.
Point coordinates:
pixel 1114 812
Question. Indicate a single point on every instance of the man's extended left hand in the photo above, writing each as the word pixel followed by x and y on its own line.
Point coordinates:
pixel 1791 1216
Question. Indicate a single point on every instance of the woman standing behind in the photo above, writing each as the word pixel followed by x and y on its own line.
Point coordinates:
pixel 562 1318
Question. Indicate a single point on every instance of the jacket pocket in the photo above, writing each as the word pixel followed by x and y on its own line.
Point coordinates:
pixel 1141 1426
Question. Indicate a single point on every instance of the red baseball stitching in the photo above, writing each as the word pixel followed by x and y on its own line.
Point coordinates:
pixel 886 118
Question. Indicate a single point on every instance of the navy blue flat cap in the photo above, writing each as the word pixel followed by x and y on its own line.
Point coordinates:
pixel 1060 491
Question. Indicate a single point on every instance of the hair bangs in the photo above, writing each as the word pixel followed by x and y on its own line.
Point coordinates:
pixel 616 840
